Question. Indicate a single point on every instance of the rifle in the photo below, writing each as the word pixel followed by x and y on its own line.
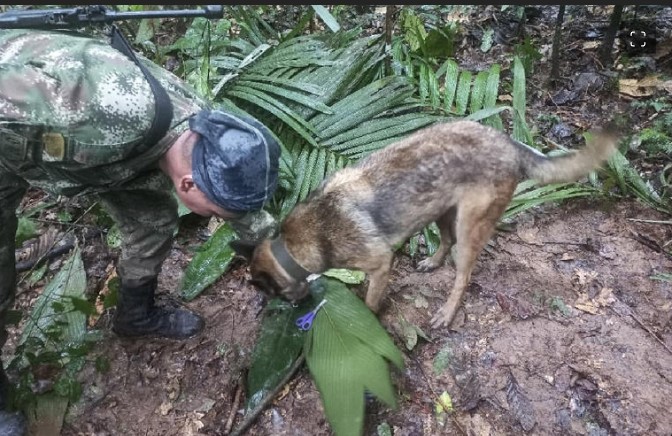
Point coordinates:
pixel 80 16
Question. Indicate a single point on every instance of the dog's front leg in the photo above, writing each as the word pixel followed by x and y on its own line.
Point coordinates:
pixel 378 279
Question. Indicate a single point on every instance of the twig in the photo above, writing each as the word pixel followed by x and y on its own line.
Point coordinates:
pixel 52 253
pixel 564 243
pixel 63 224
pixel 234 408
pixel 646 328
pixel 252 415
pixel 650 221
pixel 649 243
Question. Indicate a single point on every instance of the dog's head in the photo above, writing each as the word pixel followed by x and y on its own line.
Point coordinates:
pixel 267 274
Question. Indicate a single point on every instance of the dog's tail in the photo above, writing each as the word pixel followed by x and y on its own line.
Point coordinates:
pixel 571 166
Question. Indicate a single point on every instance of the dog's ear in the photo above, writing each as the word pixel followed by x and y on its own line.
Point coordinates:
pixel 243 248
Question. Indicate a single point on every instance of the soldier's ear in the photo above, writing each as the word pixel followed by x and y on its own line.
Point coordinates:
pixel 186 184
pixel 243 248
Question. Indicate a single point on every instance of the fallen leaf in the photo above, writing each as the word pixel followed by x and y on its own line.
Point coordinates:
pixel 165 408
pixel 105 291
pixel 640 88
pixel 214 224
pixel 605 298
pixel 442 359
pixel 519 404
pixel 584 277
pixel 193 424
pixel 444 403
pixel 505 97
pixel 591 45
pixel 584 304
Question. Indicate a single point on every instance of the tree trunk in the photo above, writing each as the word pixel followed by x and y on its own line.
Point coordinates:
pixel 557 39
pixel 610 35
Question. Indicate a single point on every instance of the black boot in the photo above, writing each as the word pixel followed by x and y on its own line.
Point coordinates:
pixel 11 423
pixel 136 315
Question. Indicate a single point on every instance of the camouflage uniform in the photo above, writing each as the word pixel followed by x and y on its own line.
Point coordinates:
pixel 73 111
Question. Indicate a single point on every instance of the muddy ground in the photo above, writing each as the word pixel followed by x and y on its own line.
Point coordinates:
pixel 563 330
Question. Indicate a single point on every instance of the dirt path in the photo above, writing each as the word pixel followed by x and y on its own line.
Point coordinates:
pixel 520 355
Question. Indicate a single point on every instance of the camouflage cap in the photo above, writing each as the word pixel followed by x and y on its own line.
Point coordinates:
pixel 235 160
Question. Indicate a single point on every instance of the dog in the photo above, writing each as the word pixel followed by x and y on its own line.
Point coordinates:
pixel 459 174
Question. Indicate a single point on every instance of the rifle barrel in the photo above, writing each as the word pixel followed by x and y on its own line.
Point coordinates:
pixel 208 12
pixel 55 18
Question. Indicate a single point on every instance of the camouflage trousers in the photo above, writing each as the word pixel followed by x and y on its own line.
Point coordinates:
pixel 147 219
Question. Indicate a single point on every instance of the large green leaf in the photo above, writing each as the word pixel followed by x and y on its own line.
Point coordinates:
pixel 490 97
pixel 69 282
pixel 520 129
pixel 347 352
pixel 326 16
pixel 478 91
pixel 26 229
pixel 450 86
pixel 278 346
pixel 630 181
pixel 528 195
pixel 462 93
pixel 209 263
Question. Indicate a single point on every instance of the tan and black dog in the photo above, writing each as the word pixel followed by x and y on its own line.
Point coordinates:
pixel 459 174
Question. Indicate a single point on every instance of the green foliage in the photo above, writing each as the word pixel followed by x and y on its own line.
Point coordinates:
pixel 528 195
pixel 326 16
pixel 528 55
pixel 411 332
pixel 621 173
pixel 662 277
pixel 442 359
pixel 347 352
pixel 384 429
pixel 55 335
pixel 520 130
pixel 348 276
pixel 655 141
pixel 558 305
pixel 278 346
pixel 26 229
pixel 209 263
pixel 113 237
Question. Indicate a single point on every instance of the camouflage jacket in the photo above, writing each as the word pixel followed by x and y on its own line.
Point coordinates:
pixel 73 108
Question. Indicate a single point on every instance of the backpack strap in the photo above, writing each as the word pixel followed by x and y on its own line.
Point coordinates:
pixel 163 108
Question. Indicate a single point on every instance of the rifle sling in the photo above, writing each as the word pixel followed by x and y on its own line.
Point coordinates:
pixel 163 108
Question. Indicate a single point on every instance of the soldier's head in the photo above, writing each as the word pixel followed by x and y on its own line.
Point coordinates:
pixel 234 165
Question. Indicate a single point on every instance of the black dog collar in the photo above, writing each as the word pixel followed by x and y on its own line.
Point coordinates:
pixel 279 250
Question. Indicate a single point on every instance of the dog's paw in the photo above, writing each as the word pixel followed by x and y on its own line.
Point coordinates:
pixel 443 317
pixel 427 265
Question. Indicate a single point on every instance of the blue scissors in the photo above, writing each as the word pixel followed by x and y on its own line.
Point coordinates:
pixel 306 321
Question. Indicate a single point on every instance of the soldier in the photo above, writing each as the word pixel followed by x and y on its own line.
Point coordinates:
pixel 74 119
